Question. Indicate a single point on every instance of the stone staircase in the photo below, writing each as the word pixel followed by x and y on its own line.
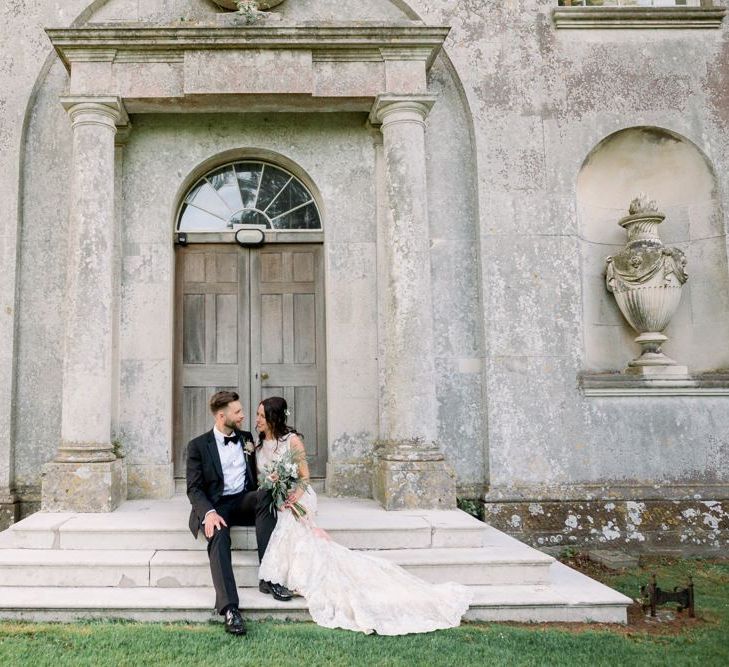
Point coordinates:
pixel 140 562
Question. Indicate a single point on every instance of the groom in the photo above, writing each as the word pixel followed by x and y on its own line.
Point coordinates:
pixel 222 487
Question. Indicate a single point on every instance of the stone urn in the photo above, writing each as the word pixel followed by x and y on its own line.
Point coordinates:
pixel 646 278
pixel 262 4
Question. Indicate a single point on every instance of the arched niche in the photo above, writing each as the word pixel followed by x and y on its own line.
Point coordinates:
pixel 673 171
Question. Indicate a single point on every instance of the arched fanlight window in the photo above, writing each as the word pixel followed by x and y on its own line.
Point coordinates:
pixel 248 193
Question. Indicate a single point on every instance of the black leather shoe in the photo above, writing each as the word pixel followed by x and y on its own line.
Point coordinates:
pixel 234 623
pixel 279 592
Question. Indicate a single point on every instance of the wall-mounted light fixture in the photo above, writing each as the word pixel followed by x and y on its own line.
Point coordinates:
pixel 250 238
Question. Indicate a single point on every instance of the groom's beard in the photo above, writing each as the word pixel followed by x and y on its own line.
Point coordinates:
pixel 229 423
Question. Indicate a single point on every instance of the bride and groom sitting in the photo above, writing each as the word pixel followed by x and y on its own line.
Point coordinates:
pixel 343 588
pixel 222 485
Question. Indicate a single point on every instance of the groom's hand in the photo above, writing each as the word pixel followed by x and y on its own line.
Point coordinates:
pixel 212 522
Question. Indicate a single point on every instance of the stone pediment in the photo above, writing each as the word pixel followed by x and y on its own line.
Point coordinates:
pixel 286 67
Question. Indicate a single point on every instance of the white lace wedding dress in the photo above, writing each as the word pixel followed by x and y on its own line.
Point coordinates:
pixel 352 589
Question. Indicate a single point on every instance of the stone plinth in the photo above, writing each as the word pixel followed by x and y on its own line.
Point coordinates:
pixel 413 475
pixel 658 371
pixel 84 486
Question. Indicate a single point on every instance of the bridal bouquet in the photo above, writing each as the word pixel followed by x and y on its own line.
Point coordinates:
pixel 282 479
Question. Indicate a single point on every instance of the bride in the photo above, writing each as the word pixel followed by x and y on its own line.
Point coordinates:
pixel 343 588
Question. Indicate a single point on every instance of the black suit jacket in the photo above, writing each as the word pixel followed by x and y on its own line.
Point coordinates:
pixel 205 481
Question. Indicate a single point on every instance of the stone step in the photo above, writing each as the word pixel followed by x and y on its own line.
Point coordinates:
pixel 162 525
pixel 568 597
pixel 182 569
pixel 466 566
pixel 484 566
pixel 140 562
pixel 90 568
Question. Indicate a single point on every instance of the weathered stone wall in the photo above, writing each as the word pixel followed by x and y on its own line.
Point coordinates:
pixel 542 99
pixel 678 527
pixel 521 106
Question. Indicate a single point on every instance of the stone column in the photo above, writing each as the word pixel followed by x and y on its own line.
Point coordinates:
pixel 86 475
pixel 410 471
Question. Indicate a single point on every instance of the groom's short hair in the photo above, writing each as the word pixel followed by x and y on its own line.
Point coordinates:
pixel 222 399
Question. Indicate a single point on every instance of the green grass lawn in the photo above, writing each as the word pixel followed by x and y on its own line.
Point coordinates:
pixel 702 642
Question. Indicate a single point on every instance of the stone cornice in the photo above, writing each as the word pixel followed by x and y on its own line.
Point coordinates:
pixel 638 17
pixel 408 40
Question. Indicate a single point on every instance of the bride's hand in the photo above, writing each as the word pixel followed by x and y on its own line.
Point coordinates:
pixel 294 497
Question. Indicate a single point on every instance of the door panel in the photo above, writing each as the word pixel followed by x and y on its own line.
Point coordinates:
pixel 211 336
pixel 288 348
pixel 272 323
pixel 251 321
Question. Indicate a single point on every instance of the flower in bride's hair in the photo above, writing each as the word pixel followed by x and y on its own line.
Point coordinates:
pixel 287 412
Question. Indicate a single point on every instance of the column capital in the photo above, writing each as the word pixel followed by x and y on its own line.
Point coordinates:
pixel 398 108
pixel 99 110
pixel 123 133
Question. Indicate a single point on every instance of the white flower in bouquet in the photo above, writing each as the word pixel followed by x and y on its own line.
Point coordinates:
pixel 282 479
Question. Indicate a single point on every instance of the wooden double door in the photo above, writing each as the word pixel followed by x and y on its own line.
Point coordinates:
pixel 252 321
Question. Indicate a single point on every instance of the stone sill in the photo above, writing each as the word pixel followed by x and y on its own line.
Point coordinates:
pixel 618 384
pixel 637 17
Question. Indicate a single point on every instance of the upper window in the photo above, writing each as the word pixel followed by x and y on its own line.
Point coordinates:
pixel 248 193
pixel 630 3
pixel 638 14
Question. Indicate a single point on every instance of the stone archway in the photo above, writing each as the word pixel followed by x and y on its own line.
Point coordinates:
pixel 237 308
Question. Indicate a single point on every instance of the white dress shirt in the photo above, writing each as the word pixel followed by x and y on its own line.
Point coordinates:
pixel 233 461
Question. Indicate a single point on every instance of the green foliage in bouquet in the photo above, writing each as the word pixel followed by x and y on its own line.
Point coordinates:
pixel 282 479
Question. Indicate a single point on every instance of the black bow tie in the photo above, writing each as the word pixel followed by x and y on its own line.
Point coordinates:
pixel 230 438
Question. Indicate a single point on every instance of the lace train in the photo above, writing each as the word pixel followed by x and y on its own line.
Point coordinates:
pixel 355 590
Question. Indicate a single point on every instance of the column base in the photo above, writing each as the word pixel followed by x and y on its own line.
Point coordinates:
pixel 83 487
pixel 413 475
pixel 9 509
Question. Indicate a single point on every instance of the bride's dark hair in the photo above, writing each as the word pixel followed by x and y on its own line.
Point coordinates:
pixel 275 410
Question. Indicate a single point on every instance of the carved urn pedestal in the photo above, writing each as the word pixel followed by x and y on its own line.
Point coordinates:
pixel 647 278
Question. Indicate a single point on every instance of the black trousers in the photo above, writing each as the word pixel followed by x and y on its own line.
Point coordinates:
pixel 249 508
